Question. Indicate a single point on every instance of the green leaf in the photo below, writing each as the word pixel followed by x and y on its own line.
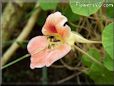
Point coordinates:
pixel 85 7
pixel 107 39
pixel 109 63
pixel 69 14
pixel 43 16
pixel 110 12
pixel 48 5
pixel 93 52
pixel 101 75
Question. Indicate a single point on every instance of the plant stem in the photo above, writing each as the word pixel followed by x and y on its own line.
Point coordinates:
pixel 44 76
pixel 90 57
pixel 68 78
pixel 15 61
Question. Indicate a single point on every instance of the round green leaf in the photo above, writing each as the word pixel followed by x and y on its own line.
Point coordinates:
pixel 110 12
pixel 85 7
pixel 107 39
pixel 93 52
pixel 48 5
pixel 109 63
pixel 100 74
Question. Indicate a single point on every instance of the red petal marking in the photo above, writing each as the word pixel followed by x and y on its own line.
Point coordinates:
pixel 57 54
pixel 53 29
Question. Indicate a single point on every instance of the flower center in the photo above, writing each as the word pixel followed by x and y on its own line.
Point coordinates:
pixel 54 41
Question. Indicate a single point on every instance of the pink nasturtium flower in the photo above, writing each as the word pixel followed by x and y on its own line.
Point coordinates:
pixel 56 42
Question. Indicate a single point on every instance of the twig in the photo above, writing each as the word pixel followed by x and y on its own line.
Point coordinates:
pixel 15 61
pixel 78 80
pixel 57 66
pixel 74 25
pixel 27 29
pixel 81 24
pixel 68 78
pixel 71 68
pixel 11 16
pixel 99 23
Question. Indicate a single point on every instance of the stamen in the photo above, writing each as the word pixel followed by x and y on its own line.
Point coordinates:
pixel 54 41
pixel 75 43
pixel 49 46
pixel 51 37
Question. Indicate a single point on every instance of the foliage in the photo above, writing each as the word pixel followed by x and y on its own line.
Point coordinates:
pixel 101 75
pixel 107 39
pixel 85 7
pixel 98 73
pixel 109 63
pixel 93 52
pixel 109 12
pixel 66 11
pixel 48 5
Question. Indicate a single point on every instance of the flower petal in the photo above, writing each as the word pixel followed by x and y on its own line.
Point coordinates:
pixel 57 54
pixel 39 59
pixel 55 24
pixel 45 57
pixel 37 43
pixel 64 31
pixel 36 48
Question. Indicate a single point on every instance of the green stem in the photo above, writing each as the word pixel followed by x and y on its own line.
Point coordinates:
pixel 90 57
pixel 15 61
pixel 44 76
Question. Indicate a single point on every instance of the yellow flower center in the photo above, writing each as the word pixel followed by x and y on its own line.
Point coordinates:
pixel 54 41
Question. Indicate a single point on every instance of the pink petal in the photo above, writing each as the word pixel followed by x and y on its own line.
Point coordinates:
pixel 63 31
pixel 39 59
pixel 54 24
pixel 48 56
pixel 57 54
pixel 35 48
pixel 37 43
